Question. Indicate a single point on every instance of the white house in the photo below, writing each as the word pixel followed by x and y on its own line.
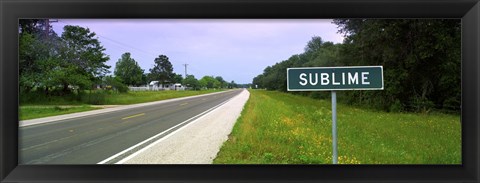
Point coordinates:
pixel 153 85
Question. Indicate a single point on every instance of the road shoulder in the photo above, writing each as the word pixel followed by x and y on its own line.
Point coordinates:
pixel 197 143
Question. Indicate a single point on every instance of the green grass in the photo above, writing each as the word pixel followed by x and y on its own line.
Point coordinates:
pixel 280 128
pixel 106 97
pixel 32 112
pixel 150 96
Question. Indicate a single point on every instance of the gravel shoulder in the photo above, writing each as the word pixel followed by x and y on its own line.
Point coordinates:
pixel 197 142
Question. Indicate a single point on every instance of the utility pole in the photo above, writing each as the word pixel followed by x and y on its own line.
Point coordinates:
pixel 47 26
pixel 185 69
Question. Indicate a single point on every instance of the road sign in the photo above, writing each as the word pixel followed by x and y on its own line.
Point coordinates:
pixel 335 78
pixel 331 79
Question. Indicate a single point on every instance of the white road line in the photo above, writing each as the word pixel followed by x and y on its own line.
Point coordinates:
pixel 155 136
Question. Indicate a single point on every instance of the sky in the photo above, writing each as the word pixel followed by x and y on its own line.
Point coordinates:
pixel 237 49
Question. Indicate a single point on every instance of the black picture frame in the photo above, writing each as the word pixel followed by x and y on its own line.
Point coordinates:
pixel 467 10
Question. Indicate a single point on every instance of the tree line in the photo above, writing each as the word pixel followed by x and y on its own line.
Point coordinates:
pixel 128 71
pixel 421 59
pixel 74 62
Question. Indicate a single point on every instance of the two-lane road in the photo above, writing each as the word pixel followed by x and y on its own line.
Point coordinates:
pixel 110 137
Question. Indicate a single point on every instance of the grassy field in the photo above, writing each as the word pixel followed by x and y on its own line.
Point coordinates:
pixel 150 96
pixel 107 98
pixel 32 112
pixel 280 128
pixel 50 106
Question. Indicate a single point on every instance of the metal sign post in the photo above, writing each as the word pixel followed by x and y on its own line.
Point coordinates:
pixel 334 126
pixel 332 79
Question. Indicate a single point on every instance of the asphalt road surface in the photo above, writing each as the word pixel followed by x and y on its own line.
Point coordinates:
pixel 109 137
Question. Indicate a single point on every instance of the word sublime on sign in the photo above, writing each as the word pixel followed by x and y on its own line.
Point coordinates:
pixel 326 79
pixel 335 78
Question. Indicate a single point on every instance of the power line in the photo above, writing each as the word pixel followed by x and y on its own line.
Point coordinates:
pixel 125 46
pixel 149 54
pixel 117 42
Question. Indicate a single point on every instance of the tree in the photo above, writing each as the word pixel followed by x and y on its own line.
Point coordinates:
pixel 37 51
pixel 47 61
pixel 115 83
pixel 421 60
pixel 37 27
pixel 30 26
pixel 258 82
pixel 57 65
pixel 222 81
pixel 209 82
pixel 144 78
pixel 85 51
pixel 82 55
pixel 162 71
pixel 191 82
pixel 31 51
pixel 232 84
pixel 128 70
pixel 177 78
pixel 314 44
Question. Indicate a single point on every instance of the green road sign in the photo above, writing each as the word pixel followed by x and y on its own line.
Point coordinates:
pixel 335 78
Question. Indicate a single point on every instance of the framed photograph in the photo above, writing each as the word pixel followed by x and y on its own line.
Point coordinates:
pixel 256 91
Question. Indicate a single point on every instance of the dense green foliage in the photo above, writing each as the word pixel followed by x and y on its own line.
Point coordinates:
pixel 59 65
pixel 191 82
pixel 115 84
pixel 232 84
pixel 162 71
pixel 68 68
pixel 128 70
pixel 281 128
pixel 209 82
pixel 223 83
pixel 421 59
pixel 177 78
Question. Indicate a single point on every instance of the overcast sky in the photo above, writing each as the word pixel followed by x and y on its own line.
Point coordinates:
pixel 234 49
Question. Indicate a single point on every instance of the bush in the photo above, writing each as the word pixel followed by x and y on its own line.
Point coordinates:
pixel 121 88
pixel 396 106
pixel 452 104
pixel 58 108
pixel 94 98
pixel 39 97
pixel 422 105
pixel 116 84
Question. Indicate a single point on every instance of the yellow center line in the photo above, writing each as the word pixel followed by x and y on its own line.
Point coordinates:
pixel 136 115
pixel 184 104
